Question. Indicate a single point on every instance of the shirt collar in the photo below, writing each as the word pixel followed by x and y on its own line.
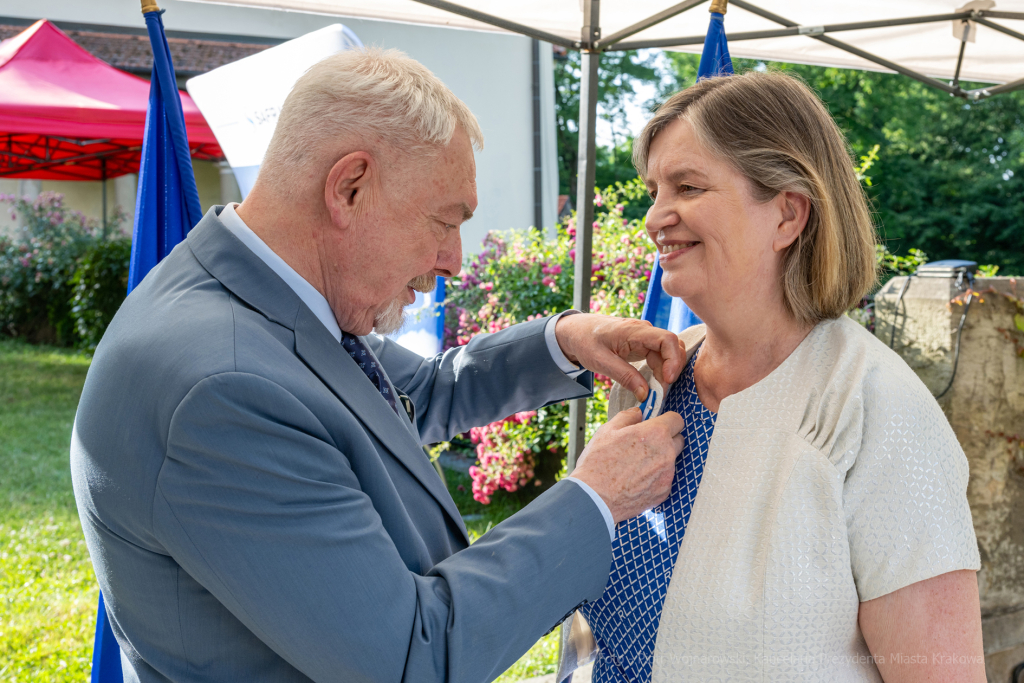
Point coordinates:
pixel 313 299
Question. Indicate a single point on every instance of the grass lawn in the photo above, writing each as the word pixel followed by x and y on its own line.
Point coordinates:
pixel 47 589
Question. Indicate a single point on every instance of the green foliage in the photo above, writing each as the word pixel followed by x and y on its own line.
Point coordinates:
pixel 618 75
pixel 891 265
pixel 98 288
pixel 949 173
pixel 58 278
pixel 48 591
pixel 524 275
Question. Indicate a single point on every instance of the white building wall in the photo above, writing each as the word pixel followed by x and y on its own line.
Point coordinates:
pixel 491 72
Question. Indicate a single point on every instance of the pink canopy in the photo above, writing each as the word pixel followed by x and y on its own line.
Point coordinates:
pixel 64 114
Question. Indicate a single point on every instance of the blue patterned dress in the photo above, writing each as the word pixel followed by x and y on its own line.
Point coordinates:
pixel 625 619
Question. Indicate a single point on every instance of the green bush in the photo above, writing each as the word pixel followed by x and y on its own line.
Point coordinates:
pixel 98 287
pixel 58 283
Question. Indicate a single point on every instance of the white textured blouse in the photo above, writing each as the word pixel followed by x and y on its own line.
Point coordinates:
pixel 834 480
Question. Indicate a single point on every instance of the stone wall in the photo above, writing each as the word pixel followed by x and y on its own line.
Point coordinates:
pixel 985 406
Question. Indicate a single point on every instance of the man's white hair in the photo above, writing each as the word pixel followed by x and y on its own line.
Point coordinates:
pixel 370 97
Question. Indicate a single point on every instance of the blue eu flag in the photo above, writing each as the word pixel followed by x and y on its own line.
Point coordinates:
pixel 168 201
pixel 661 309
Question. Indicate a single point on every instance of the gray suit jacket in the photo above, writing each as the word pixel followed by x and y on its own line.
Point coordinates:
pixel 255 510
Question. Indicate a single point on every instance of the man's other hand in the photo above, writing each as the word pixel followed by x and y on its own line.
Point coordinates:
pixel 631 463
pixel 606 345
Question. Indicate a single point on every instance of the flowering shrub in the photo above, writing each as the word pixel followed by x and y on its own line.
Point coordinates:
pixel 53 252
pixel 525 275
pixel 503 459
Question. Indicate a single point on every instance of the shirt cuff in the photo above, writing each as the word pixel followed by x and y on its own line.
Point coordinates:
pixel 563 363
pixel 601 505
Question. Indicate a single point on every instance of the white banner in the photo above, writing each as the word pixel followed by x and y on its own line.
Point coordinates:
pixel 241 100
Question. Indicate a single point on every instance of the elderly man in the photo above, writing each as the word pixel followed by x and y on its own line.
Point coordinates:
pixel 247 457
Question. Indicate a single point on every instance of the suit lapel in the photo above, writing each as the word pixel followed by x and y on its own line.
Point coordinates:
pixel 252 281
pixel 335 368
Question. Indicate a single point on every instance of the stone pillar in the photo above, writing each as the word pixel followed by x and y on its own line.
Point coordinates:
pixel 229 191
pixel 985 406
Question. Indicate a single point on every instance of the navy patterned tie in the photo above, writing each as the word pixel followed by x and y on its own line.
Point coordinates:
pixel 366 362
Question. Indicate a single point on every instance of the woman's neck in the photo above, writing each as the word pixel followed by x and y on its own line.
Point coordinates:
pixel 745 342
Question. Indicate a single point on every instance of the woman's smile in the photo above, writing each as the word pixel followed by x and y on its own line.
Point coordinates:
pixel 669 251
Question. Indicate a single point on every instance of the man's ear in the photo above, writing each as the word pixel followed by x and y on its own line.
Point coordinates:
pixel 347 184
pixel 796 209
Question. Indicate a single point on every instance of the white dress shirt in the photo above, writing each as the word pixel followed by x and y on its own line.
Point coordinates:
pixel 316 303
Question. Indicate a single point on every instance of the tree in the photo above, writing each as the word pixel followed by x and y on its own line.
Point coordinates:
pixel 618 75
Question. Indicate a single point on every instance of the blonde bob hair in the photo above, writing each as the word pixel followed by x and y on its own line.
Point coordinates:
pixel 366 97
pixel 775 131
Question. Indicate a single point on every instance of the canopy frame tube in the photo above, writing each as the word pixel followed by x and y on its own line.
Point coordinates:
pixel 608 43
pixel 795 30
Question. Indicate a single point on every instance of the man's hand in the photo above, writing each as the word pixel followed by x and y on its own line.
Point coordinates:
pixel 630 463
pixel 606 345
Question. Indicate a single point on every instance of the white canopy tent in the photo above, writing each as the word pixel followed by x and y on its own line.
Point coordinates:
pixel 928 40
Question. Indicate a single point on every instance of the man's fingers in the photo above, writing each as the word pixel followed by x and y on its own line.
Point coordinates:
pixel 661 349
pixel 678 441
pixel 673 358
pixel 622 372
pixel 672 420
pixel 626 418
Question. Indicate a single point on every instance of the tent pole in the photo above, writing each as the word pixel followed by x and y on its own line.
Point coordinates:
pixel 991 90
pixel 999 27
pixel 960 57
pixel 590 59
pixel 103 175
pixel 538 166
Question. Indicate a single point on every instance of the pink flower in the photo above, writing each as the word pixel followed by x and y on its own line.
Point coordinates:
pixel 555 269
pixel 547 281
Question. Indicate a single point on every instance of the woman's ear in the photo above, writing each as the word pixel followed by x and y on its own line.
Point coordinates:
pixel 346 186
pixel 796 209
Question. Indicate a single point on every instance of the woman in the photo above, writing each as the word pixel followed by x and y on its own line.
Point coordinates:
pixel 818 528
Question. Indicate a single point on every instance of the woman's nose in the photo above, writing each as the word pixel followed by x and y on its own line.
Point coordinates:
pixel 661 215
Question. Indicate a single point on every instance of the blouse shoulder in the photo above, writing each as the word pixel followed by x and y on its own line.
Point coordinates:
pixel 901 465
pixel 857 390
